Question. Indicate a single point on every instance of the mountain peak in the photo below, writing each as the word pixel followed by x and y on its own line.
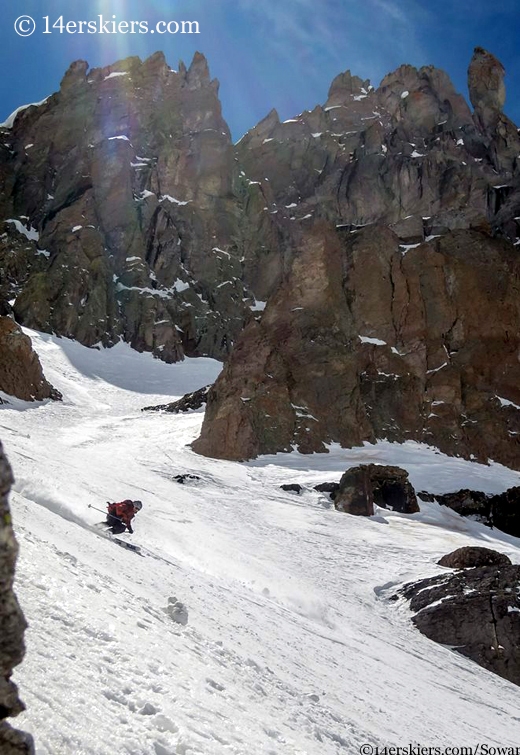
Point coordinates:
pixel 198 72
pixel 75 74
pixel 344 86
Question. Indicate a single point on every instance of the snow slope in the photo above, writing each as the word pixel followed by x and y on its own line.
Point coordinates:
pixel 291 647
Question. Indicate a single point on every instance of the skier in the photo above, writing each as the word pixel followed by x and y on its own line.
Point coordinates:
pixel 120 515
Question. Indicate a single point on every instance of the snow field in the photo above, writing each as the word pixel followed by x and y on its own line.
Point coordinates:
pixel 291 647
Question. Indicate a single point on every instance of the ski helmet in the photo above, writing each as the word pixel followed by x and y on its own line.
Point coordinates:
pixel 138 505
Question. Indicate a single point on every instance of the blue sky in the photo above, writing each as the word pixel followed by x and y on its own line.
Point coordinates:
pixel 266 53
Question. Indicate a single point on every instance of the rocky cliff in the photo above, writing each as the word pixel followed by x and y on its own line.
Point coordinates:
pixel 365 342
pixel 409 154
pixel 398 312
pixel 120 213
pixel 12 626
pixel 128 213
pixel 380 228
pixel 21 373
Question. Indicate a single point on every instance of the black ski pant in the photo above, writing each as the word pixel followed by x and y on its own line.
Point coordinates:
pixel 116 525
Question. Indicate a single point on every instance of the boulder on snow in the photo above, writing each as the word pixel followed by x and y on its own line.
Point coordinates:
pixel 292 487
pixel 471 555
pixel 12 626
pixel 328 487
pixel 475 611
pixel 188 403
pixel 388 487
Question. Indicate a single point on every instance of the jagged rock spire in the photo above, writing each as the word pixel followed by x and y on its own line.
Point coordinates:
pixel 487 90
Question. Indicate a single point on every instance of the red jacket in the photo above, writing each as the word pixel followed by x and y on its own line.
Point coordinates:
pixel 124 510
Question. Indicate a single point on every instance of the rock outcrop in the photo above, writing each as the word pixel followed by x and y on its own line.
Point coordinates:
pixel 465 502
pixel 362 487
pixel 186 479
pixel 501 510
pixel 292 487
pixel 363 341
pixel 21 373
pixel 409 154
pixel 392 236
pixel 476 612
pixel 471 556
pixel 12 626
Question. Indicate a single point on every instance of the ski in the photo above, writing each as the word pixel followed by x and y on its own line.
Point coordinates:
pixel 100 529
pixel 124 544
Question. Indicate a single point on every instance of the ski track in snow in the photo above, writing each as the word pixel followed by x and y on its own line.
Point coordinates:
pixel 291 647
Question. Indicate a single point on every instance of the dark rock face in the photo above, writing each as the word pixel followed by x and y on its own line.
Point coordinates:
pixel 282 376
pixel 408 154
pixel 423 495
pixel 355 494
pixel 392 489
pixel 189 402
pixel 362 342
pixel 397 315
pixel 471 556
pixel 362 487
pixel 20 369
pixel 122 216
pixel 12 626
pixel 476 611
pixel 129 213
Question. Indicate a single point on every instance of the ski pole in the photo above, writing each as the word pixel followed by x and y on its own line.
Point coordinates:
pixel 112 516
pixel 96 509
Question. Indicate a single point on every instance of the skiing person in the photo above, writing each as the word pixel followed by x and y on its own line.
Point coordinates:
pixel 120 515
